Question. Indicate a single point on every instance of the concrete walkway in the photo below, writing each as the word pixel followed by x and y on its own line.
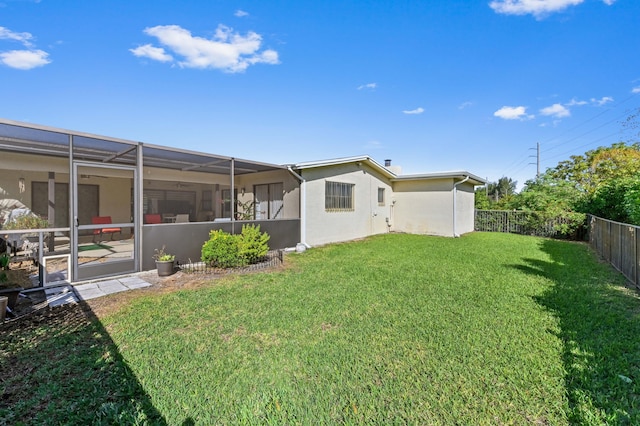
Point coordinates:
pixel 113 285
pixel 63 294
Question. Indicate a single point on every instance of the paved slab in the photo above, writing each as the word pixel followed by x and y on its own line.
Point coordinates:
pixel 88 291
pixel 58 296
pixel 109 286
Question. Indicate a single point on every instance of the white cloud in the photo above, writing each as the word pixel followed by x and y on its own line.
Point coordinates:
pixel 24 59
pixel 226 50
pixel 465 105
pixel 416 111
pixel 373 145
pixel 575 102
pixel 155 53
pixel 537 8
pixel 513 113
pixel 555 110
pixel 241 13
pixel 24 38
pixel 603 101
pixel 635 90
pixel 370 86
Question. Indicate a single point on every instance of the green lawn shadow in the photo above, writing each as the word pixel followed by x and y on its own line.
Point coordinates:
pixel 60 366
pixel 599 325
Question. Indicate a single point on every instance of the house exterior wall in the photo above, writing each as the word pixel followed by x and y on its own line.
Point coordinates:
pixel 423 207
pixel 367 217
pixel 465 206
pixel 14 166
pixel 291 199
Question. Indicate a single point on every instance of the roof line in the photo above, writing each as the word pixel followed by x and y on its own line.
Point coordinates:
pixel 345 160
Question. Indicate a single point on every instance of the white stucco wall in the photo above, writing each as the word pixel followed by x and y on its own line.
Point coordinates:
pixel 423 207
pixel 291 199
pixel 465 205
pixel 367 218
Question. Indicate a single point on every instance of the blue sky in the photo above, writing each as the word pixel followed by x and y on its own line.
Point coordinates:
pixel 433 85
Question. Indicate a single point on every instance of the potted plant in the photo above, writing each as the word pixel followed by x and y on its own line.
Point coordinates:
pixel 164 262
pixel 4 261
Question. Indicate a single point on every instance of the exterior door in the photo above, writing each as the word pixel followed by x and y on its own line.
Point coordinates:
pixel 268 201
pixel 103 203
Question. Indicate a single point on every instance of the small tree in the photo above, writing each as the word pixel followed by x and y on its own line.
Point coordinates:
pixel 551 200
pixel 631 203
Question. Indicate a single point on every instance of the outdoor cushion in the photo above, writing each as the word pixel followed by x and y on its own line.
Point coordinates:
pixel 103 220
pixel 152 218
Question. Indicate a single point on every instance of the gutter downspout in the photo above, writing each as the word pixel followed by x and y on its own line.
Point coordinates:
pixel 303 207
pixel 455 197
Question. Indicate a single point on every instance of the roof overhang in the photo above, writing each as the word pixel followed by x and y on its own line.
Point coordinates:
pixel 28 138
pixel 455 175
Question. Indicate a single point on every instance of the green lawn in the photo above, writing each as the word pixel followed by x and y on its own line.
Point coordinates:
pixel 395 329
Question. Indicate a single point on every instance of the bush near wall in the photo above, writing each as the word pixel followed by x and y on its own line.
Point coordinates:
pixel 224 250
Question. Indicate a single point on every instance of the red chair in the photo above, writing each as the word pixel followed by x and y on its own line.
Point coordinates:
pixel 152 218
pixel 103 220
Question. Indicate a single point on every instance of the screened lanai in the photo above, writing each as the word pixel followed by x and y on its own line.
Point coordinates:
pixel 86 206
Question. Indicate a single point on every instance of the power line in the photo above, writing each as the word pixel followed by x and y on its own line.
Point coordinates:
pixel 585 133
pixel 584 146
pixel 516 164
pixel 588 120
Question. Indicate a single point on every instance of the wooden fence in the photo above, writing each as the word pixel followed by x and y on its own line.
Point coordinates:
pixel 617 243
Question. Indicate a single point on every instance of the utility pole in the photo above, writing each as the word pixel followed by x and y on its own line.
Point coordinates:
pixel 537 163
pixel 538 160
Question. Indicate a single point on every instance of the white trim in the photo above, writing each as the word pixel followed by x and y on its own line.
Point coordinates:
pixel 461 174
pixel 346 160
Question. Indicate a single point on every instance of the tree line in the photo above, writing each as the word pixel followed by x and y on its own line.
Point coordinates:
pixel 604 182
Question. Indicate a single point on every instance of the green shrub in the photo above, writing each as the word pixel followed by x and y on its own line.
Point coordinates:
pixel 27 221
pixel 227 251
pixel 253 244
pixel 222 250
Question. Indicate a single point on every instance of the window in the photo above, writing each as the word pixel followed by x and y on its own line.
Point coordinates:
pixel 207 200
pixel 381 196
pixel 226 202
pixel 268 201
pixel 338 196
pixel 171 202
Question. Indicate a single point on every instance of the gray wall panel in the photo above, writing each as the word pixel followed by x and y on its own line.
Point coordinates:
pixel 185 240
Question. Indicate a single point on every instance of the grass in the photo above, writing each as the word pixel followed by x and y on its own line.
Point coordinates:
pixel 396 329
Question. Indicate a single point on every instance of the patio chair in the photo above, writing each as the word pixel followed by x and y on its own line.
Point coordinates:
pixel 103 220
pixel 182 218
pixel 152 218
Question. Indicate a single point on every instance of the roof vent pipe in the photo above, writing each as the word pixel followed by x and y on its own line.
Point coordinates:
pixel 387 163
